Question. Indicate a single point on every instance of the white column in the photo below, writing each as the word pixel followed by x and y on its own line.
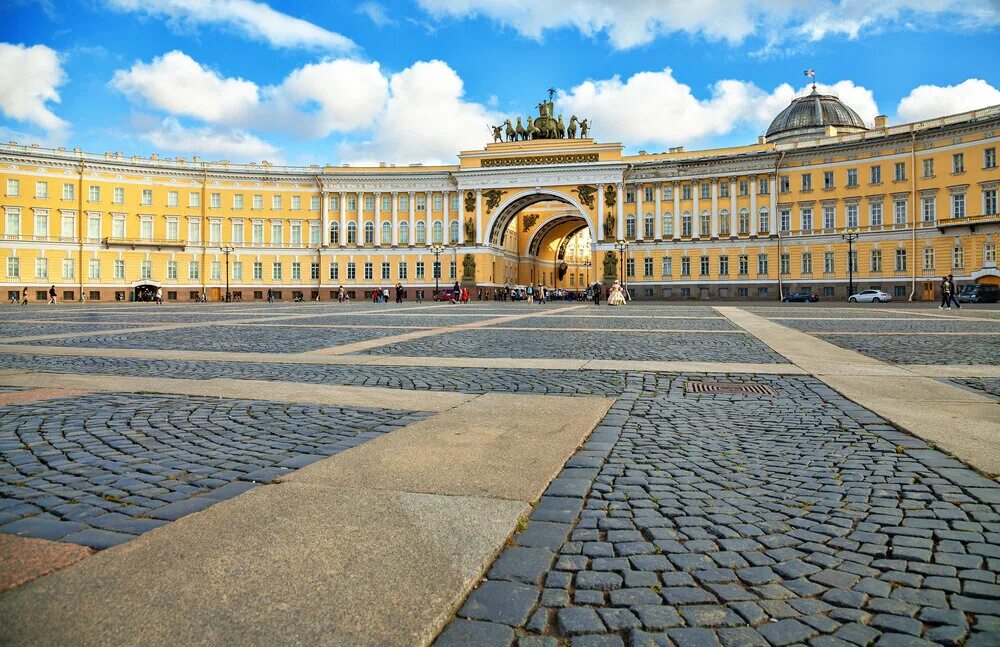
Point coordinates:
pixel 677 210
pixel 428 219
pixel 446 238
pixel 479 217
pixel 620 211
pixel 325 236
pixel 733 231
pixel 753 206
pixel 343 219
pixel 462 215
pixel 413 219
pixel 600 212
pixel 695 210
pixel 658 223
pixel 773 207
pixel 715 209
pixel 378 220
pixel 361 218
pixel 395 218
pixel 640 217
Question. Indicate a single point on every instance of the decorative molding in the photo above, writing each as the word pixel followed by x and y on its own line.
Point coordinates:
pixel 538 160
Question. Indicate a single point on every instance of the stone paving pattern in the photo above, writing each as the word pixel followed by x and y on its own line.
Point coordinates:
pixel 411 378
pixel 100 470
pixel 907 349
pixel 621 323
pixel 988 385
pixel 703 347
pixel 689 520
pixel 229 339
pixel 915 326
pixel 16 330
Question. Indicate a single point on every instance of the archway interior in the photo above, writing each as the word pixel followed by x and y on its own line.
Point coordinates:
pixel 546 242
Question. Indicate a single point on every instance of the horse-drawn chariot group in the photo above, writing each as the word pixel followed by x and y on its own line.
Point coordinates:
pixel 545 126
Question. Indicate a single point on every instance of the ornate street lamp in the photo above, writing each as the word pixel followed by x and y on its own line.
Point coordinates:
pixel 851 236
pixel 621 245
pixel 436 250
pixel 227 251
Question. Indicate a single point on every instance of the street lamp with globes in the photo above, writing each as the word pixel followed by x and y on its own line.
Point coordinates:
pixel 227 251
pixel 436 250
pixel 851 236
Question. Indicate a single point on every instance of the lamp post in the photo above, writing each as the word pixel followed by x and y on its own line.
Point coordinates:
pixel 850 237
pixel 227 251
pixel 436 250
pixel 621 245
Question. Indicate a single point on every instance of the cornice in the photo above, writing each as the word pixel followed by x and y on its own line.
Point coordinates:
pixel 532 176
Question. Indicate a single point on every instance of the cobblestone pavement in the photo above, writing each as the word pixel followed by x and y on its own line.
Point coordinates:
pixel 705 347
pixel 906 349
pixel 988 385
pixel 688 520
pixel 389 318
pixel 416 378
pixel 620 323
pixel 233 339
pixel 10 330
pixel 102 469
pixel 860 311
pixel 916 326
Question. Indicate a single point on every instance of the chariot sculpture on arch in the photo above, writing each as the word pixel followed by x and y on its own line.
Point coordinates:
pixel 547 125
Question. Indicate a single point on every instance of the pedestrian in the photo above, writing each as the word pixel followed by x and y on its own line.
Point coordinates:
pixel 399 292
pixel 385 295
pixel 954 291
pixel 52 295
pixel 479 294
pixel 341 294
pixel 420 295
pixel 945 294
pixel 530 293
pixel 465 295
pixel 24 296
pixel 159 296
pixel 597 293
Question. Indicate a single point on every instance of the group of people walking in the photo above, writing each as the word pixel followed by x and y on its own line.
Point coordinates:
pixel 948 292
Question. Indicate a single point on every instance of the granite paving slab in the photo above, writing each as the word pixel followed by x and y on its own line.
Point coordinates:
pixel 907 349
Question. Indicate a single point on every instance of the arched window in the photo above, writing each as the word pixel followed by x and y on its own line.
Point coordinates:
pixel 404 233
pixel 706 224
pixel 765 221
pixel 454 231
pixel 421 236
pixel 686 224
pixel 648 225
pixel 437 232
pixel 668 224
pixel 334 233
pixel 369 233
pixel 352 233
pixel 724 222
pixel 386 233
pixel 744 221
pixel 630 226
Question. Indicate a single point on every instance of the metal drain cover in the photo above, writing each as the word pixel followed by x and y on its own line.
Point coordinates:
pixel 729 388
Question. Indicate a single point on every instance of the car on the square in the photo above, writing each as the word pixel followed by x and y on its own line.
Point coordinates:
pixel 979 293
pixel 801 297
pixel 870 296
pixel 445 294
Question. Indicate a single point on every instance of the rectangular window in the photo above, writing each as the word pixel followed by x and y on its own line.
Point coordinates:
pixel 630 267
pixel 852 177
pixel 724 266
pixel 118 226
pixel 828 180
pixel 629 195
pixel 829 217
pixel 314 205
pixel 875 214
pixel 958 257
pixel 215 231
pixel 807 182
pixel 386 268
pixel 13 188
pixel 68 231
pixel 334 203
pixel 237 201
pixel 648 194
pixel 990 202
pixel 194 200
pixel 238 270
pixel 704 265
pixel 276 271
pixel 420 270
pixel 786 219
pixel 314 270
pixel 13 267
pixel 94 269
pixel 706 191
pixel 145 269
pixel 93 227
pixel 852 260
pixel 315 233
pixel 119 269
pixel 237 233
pixel 146 228
pixel 928 165
pixel 807 262
pixel 763 187
pixel 958 163
pixel 743 264
pixel 257 233
pixel 900 171
pixel 402 268
pixel 41 224
pixel 744 187
pixel 173 198
pixel 69 192
pixel 828 263
pixel 421 202
pixel 668 192
pixel 437 202
pixel 334 271
pixel 94 193
pixel 369 271
pixel 276 202
pixel 172 270
pixel 668 267
pixel 215 201
pixel 296 231
pixel 876 175
pixel 784 184
pixel 990 158
pixel 404 202
pixel 194 230
pixel 454 202
pixel 685 192
pixel 296 271
pixel 119 195
pixel 899 212
pixel 685 266
pixel 990 254
pixel 215 270
pixel 723 189
pixel 258 271
pixel 928 209
pixel 277 233
pixel 258 201
pixel 929 258
pixel 807 219
pixel 785 264
pixel 762 263
pixel 296 203
pixel 41 268
pixel 194 270
pixel 901 260
pixel 852 215
pixel 173 229
pixel 958 205
pixel 647 266
pixel 452 270
pixel 876 260
pixel 147 198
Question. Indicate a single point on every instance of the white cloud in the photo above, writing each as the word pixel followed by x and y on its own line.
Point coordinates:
pixel 655 108
pixel 375 12
pixel 425 119
pixel 171 135
pixel 255 20
pixel 29 78
pixel 927 101
pixel 310 102
pixel 639 22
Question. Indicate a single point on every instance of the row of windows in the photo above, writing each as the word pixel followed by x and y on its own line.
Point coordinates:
pixel 403 230
pixel 704 189
pixel 875 172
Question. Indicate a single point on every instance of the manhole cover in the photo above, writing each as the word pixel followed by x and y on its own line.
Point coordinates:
pixel 729 388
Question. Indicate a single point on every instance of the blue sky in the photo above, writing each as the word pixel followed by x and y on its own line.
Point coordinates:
pixel 417 81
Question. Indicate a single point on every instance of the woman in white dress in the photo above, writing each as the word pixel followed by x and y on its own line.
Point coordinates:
pixel 616 296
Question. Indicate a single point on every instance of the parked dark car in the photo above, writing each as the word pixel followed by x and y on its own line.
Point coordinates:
pixel 979 293
pixel 802 297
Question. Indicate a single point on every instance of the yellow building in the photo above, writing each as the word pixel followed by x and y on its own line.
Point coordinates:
pixel 750 222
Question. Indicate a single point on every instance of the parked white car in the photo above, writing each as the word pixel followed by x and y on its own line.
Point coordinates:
pixel 870 296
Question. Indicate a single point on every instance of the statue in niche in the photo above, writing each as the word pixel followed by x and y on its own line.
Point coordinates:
pixel 609 226
pixel 610 266
pixel 469 267
pixel 470 230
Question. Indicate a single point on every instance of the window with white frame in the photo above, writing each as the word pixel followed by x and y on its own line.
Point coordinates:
pixel 829 217
pixel 275 202
pixel 296 271
pixel 352 233
pixel 369 203
pixel 743 264
pixel 648 194
pixel 94 268
pixel 118 225
pixel 454 231
pixel 404 233
pixel 706 224
pixel 437 201
pixel 990 202
pixel 762 264
pixel 194 270
pixel 900 259
pixel 277 233
pixel 296 234
pixel 13 188
pixel 258 201
pixel 145 269
pixel 806 214
pixel 42 190
pixel 929 258
pixel 172 270
pixel 990 254
pixel 899 212
pixel 41 224
pixel 900 171
pixel 928 208
pixel 147 198
pixel 852 214
pixel 785 264
pixel 215 231
pixel 629 194
pixel 119 269
pixel 648 225
pixel 785 216
pixel 875 213
pixel 237 270
pixel 686 224
pixel 807 262
pixel 194 200
pixel 876 260
pixel 237 232
pixel 69 192
pixel 764 221
pixel 258 271
pixel 990 157
pixel 421 234
pixel 296 203
pixel 668 192
pixel 173 229
pixel 173 199
pixel 744 220
pixel 706 191
pixel 315 235
pixel 146 227
pixel 370 233
pixel 724 265
pixel 257 232
pixel 215 201
pixel 958 257
pixel 437 232
pixel 421 202
pixel 369 271
pixel 13 267
pixel 667 267
pixel 41 268
pixel 958 163
pixel 334 233
pixel 94 226
pixel 668 223
pixel 69 270
pixel 928 165
pixel 957 205
pixel 852 177
pixel 829 261
pixel 194 230
pixel 68 231
pixel 421 270
pixel 828 180
pixel 314 203
pixel 454 202
pixel 215 270
pixel 876 175
pixel 237 201
pixel 94 193
pixel 723 224
pixel 630 226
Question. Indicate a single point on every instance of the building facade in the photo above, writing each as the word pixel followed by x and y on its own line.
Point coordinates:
pixel 751 222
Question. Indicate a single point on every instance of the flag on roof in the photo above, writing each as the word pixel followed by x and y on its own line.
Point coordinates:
pixel 810 73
